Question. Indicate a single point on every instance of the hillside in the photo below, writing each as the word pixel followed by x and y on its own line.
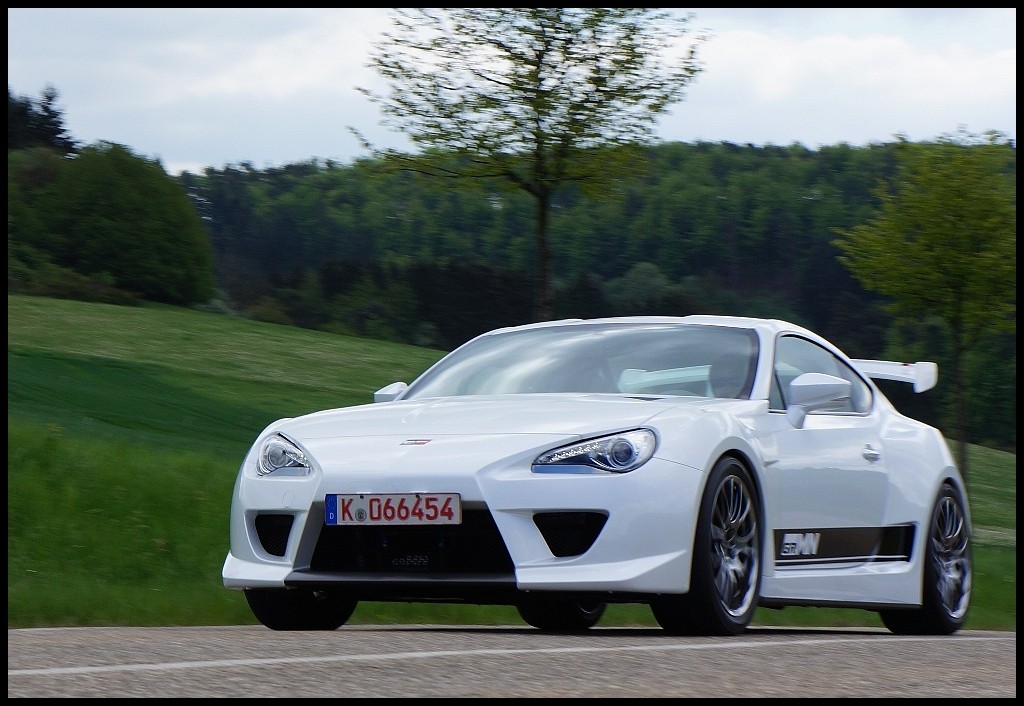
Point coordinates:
pixel 126 426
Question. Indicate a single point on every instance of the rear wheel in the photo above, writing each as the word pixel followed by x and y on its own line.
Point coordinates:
pixel 561 614
pixel 948 576
pixel 299 608
pixel 725 577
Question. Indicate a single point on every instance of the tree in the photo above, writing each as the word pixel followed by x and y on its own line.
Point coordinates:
pixel 533 99
pixel 37 123
pixel 944 245
pixel 118 217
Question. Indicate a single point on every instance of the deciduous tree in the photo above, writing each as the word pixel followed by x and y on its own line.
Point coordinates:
pixel 118 217
pixel 943 245
pixel 532 98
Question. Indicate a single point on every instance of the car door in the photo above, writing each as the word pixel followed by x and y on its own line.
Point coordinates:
pixel 826 483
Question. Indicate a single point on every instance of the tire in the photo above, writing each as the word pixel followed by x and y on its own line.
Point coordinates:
pixel 948 573
pixel 299 608
pixel 561 614
pixel 725 577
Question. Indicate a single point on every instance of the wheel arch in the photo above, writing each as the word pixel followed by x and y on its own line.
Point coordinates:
pixel 754 471
pixel 726 567
pixel 954 479
pixel 752 468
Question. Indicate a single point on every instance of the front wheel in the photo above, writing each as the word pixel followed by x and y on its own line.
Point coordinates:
pixel 561 614
pixel 299 608
pixel 725 577
pixel 948 576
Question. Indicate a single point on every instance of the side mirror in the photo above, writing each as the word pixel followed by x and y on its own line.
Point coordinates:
pixel 390 392
pixel 812 391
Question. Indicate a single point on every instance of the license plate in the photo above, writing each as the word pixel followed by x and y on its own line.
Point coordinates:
pixel 393 509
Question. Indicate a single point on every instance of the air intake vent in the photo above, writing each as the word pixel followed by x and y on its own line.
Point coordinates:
pixel 569 533
pixel 273 532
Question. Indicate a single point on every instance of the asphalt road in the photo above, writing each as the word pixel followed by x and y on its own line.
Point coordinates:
pixel 515 662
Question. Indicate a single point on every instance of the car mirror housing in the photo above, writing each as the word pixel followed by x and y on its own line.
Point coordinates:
pixel 390 392
pixel 812 391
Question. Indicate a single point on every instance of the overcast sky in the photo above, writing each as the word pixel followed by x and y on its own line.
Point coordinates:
pixel 199 88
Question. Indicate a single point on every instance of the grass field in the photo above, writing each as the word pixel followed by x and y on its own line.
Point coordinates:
pixel 126 426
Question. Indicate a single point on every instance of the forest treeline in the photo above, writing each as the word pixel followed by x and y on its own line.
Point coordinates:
pixel 709 228
pixel 714 228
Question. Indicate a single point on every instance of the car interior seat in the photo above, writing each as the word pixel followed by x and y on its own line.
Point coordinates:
pixel 729 376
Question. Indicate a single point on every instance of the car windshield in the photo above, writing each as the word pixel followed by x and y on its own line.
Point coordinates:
pixel 618 358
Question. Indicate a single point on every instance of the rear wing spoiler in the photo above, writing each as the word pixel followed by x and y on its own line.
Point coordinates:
pixel 924 375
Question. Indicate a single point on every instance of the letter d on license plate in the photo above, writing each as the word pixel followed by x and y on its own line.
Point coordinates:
pixel 393 509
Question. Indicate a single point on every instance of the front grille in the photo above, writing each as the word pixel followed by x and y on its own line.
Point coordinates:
pixel 273 532
pixel 569 533
pixel 473 547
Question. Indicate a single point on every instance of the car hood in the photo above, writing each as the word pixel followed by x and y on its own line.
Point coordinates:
pixel 561 414
pixel 443 434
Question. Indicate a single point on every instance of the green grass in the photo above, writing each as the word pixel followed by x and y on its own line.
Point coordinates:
pixel 126 427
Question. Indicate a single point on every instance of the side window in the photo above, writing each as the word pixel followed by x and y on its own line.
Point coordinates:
pixel 795 356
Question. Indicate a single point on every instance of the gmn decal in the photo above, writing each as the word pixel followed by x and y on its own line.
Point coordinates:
pixel 800 544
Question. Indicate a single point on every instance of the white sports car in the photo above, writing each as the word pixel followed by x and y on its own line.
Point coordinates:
pixel 703 465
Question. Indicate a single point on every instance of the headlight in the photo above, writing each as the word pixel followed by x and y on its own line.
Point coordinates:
pixel 617 453
pixel 279 455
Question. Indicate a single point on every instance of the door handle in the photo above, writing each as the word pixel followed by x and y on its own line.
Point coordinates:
pixel 871 454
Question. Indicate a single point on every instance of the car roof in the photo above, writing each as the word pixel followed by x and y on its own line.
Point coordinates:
pixel 767 327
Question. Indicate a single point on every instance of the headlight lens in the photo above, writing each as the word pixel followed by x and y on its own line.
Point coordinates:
pixel 616 453
pixel 279 455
